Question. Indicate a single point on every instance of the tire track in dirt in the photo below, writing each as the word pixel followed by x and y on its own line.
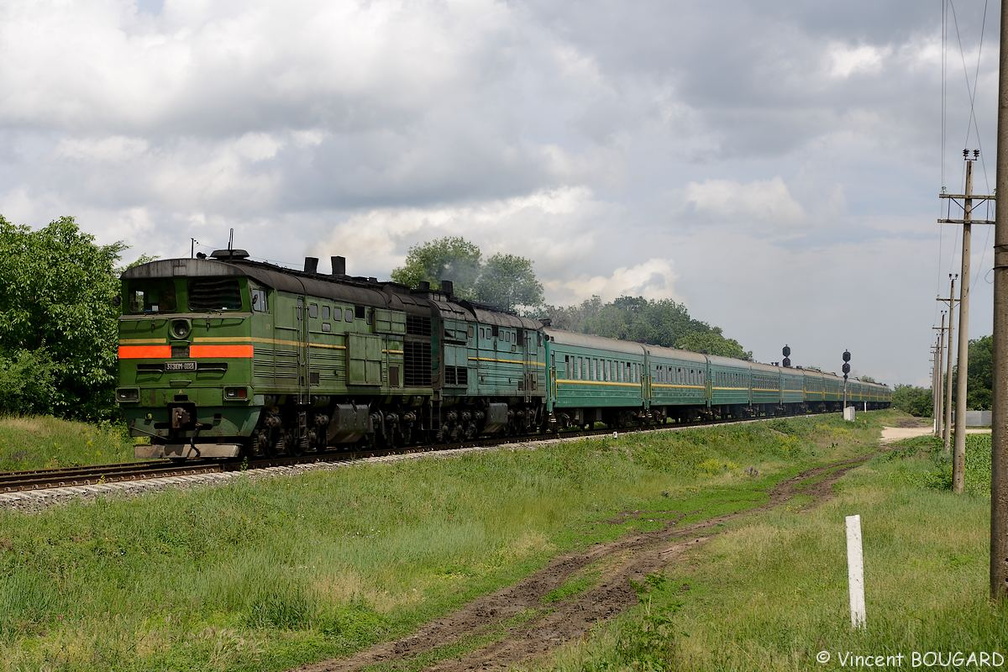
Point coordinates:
pixel 522 627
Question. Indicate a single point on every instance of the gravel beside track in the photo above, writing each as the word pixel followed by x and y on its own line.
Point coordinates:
pixel 39 499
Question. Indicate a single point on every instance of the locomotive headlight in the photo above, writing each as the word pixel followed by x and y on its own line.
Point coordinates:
pixel 235 394
pixel 125 395
pixel 180 329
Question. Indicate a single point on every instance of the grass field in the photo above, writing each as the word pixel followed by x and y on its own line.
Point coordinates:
pixel 269 574
pixel 772 593
pixel 46 442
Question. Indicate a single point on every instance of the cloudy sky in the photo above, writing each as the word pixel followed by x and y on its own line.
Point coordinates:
pixel 773 165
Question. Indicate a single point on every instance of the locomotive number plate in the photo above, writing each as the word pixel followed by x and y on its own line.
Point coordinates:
pixel 180 366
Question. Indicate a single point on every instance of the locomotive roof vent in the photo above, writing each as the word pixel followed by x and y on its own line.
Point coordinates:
pixel 311 264
pixel 338 265
pixel 447 287
pixel 230 254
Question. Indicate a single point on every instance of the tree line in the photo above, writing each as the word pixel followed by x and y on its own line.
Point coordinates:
pixel 509 283
pixel 59 317
pixel 979 383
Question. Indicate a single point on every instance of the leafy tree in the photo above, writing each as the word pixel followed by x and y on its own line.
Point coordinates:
pixel 508 281
pixel 58 322
pixel 980 380
pixel 980 376
pixel 504 280
pixel 449 258
pixel 916 401
pixel 663 322
pixel 713 342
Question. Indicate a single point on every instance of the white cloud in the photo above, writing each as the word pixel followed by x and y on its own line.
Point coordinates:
pixel 740 204
pixel 115 148
pixel 529 226
pixel 846 60
pixel 652 279
pixel 592 140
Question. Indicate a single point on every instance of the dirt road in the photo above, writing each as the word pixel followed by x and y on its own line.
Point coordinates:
pixel 519 624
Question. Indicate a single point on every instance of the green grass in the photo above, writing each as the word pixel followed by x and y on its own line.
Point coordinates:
pixel 772 593
pixel 977 474
pixel 47 442
pixel 271 574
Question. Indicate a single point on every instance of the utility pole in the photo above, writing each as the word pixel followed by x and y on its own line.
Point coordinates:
pixel 959 453
pixel 938 377
pixel 947 403
pixel 999 422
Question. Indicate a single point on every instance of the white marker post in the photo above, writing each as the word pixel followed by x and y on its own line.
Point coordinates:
pixel 855 571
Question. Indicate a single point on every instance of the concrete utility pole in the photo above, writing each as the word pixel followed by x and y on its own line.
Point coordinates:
pixel 962 372
pixel 947 403
pixel 999 422
pixel 938 377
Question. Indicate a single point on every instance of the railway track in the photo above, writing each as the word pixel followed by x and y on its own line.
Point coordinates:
pixel 40 480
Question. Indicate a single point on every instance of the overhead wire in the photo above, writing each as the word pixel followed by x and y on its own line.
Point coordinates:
pixel 973 125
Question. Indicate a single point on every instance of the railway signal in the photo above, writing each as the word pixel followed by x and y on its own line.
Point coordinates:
pixel 846 370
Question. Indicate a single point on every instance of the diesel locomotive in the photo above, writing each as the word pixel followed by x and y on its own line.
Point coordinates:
pixel 227 356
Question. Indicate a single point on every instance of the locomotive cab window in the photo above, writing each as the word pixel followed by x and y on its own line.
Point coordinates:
pixel 259 300
pixel 151 296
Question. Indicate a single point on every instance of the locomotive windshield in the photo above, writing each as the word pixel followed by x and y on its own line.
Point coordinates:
pixel 162 295
pixel 152 296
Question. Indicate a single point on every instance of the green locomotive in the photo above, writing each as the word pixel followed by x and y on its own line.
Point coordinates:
pixel 223 355
pixel 226 356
